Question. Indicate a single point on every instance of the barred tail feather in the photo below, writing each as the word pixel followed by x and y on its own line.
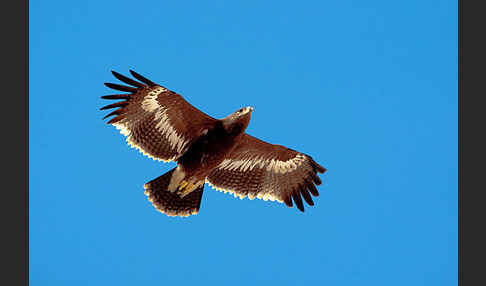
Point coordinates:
pixel 170 203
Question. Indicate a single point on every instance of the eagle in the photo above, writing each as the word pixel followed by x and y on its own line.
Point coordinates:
pixel 162 125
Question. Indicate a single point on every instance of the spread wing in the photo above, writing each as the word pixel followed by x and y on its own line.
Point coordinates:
pixel 270 172
pixel 158 122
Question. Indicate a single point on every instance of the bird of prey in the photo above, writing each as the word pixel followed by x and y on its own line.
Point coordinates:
pixel 164 126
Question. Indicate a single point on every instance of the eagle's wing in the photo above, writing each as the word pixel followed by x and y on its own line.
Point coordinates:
pixel 270 172
pixel 157 121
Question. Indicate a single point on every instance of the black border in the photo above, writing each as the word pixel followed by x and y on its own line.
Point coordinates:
pixel 472 105
pixel 15 148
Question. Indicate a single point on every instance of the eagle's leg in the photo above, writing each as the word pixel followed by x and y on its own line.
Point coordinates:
pixel 176 179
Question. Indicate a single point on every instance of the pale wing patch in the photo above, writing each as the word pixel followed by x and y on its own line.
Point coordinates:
pixel 176 141
pixel 150 104
pixel 271 165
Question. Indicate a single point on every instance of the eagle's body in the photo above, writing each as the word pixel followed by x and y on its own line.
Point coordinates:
pixel 208 151
pixel 162 125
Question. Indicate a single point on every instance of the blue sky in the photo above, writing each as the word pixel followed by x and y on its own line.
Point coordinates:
pixel 367 88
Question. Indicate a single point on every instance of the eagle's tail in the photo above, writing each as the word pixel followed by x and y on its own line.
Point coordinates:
pixel 170 203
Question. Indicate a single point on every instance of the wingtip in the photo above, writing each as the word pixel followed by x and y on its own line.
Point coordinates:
pixel 310 186
pixel 132 72
pixel 116 112
pixel 142 78
pixel 306 195
pixel 120 87
pixel 318 167
pixel 298 200
pixel 116 96
pixel 115 105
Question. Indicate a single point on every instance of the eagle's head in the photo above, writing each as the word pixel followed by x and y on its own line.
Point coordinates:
pixel 237 121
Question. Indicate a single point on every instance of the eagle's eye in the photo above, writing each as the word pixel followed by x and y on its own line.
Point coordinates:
pixel 240 110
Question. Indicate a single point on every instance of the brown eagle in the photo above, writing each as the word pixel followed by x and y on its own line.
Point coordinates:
pixel 164 126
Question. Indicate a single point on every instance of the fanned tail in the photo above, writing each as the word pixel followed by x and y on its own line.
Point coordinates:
pixel 171 203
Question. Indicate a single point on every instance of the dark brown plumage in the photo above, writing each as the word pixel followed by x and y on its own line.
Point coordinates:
pixel 164 126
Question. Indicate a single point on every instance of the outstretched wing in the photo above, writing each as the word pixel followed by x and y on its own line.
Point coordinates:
pixel 157 121
pixel 270 172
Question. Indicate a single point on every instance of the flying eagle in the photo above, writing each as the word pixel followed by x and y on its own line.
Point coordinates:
pixel 164 126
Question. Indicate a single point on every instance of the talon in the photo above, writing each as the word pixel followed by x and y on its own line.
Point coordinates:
pixel 182 185
pixel 190 187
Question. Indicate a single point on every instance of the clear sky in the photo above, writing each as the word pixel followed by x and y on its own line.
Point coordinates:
pixel 367 88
